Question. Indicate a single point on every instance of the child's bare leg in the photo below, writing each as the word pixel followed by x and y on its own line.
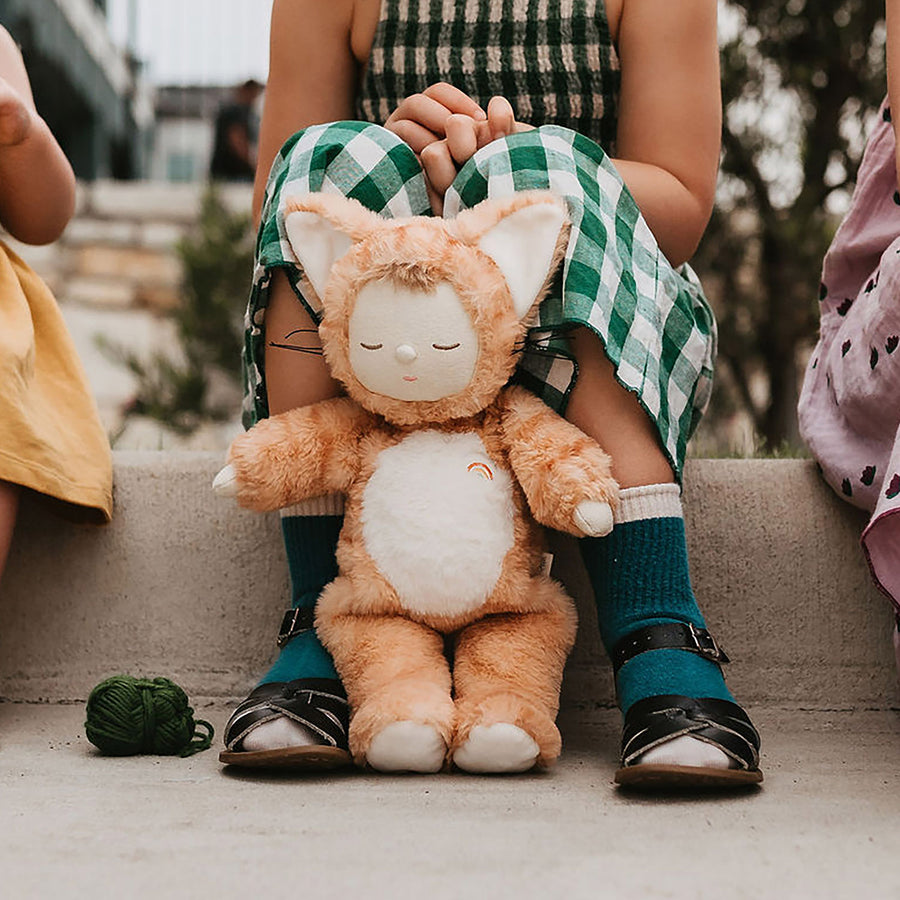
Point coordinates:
pixel 648 584
pixel 9 505
pixel 610 414
pixel 295 378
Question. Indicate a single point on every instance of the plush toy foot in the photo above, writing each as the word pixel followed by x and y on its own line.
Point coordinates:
pixel 496 749
pixel 407 747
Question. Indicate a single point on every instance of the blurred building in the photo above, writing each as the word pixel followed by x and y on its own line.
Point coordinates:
pixel 185 129
pixel 86 88
pixel 183 137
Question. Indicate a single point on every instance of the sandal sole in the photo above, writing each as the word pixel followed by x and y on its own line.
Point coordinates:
pixel 312 758
pixel 656 777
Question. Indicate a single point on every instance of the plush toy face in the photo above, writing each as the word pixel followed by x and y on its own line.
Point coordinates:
pixel 408 345
pixel 421 317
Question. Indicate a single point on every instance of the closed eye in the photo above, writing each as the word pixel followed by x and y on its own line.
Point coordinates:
pixel 445 346
pixel 371 346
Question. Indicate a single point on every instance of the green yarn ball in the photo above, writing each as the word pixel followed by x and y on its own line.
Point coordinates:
pixel 127 715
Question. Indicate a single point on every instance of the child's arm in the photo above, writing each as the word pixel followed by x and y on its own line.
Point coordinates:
pixel 565 475
pixel 302 453
pixel 670 120
pixel 670 117
pixel 37 187
pixel 892 10
pixel 313 75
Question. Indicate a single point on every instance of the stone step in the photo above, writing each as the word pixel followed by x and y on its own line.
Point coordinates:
pixel 186 585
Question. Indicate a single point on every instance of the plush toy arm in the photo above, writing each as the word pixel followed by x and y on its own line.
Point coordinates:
pixel 290 457
pixel 565 475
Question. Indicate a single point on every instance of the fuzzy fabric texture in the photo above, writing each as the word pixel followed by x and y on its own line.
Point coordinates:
pixel 440 548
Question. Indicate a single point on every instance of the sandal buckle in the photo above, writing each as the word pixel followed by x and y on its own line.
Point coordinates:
pixel 705 644
pixel 295 622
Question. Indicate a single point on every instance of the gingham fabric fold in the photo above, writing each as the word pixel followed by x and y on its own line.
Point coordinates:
pixel 654 322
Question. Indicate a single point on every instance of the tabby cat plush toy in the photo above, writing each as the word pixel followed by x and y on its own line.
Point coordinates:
pixel 449 639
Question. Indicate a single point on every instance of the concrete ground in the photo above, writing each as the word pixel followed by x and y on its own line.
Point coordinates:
pixel 825 824
pixel 184 585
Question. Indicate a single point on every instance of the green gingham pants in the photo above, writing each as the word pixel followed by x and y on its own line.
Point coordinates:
pixel 653 320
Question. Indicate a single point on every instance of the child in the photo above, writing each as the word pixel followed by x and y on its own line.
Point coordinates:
pixel 51 440
pixel 849 410
pixel 460 87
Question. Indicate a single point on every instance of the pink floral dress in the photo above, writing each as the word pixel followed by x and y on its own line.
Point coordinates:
pixel 850 403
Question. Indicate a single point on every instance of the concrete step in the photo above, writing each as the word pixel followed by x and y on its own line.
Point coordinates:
pixel 186 585
pixel 79 825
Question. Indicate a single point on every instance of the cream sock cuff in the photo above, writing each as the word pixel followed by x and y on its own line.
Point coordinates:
pixel 329 505
pixel 650 501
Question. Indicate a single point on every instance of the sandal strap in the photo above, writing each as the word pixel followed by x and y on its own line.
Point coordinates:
pixel 667 636
pixel 320 704
pixel 658 720
pixel 296 621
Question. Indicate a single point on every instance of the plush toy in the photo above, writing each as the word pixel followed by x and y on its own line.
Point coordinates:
pixel 448 637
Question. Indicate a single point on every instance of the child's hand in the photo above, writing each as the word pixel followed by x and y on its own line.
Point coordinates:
pixel 15 117
pixel 444 127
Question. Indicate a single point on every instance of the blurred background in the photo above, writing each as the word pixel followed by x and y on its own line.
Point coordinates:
pixel 156 103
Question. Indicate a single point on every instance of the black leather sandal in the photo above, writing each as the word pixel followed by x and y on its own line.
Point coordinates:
pixel 658 720
pixel 319 704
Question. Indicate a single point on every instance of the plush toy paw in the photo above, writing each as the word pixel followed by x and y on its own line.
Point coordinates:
pixel 594 518
pixel 496 749
pixel 225 483
pixel 407 747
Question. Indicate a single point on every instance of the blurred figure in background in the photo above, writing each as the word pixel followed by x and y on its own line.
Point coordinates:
pixel 237 128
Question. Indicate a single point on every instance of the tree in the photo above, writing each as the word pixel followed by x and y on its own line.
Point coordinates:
pixel 801 81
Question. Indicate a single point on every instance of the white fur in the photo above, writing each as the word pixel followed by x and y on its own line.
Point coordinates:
pixel 409 328
pixel 317 244
pixel 447 563
pixel 225 483
pixel 407 747
pixel 522 245
pixel 497 748
pixel 594 518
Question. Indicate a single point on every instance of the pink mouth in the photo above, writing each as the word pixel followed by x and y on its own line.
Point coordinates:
pixel 410 377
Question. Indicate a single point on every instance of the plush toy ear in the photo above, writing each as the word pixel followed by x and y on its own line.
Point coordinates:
pixel 317 243
pixel 321 228
pixel 523 244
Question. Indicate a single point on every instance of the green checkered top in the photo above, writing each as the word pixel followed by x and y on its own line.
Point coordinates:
pixel 554 62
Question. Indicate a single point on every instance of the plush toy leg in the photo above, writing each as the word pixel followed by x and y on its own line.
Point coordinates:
pixel 507 673
pixel 397 681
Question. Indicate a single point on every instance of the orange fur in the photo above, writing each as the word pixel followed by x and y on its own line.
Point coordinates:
pixel 510 652
pixel 557 464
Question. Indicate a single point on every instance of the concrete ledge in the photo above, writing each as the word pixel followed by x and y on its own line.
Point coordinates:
pixel 186 585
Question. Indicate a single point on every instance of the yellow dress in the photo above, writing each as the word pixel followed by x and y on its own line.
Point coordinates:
pixel 51 439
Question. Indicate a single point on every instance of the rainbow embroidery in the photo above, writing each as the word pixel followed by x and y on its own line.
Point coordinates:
pixel 482 470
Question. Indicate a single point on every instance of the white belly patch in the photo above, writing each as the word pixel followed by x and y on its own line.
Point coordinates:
pixel 437 519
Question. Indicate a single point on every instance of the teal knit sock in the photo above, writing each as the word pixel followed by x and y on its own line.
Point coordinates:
pixel 310 542
pixel 639 573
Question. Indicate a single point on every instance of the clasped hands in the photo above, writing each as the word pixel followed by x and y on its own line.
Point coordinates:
pixel 444 127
